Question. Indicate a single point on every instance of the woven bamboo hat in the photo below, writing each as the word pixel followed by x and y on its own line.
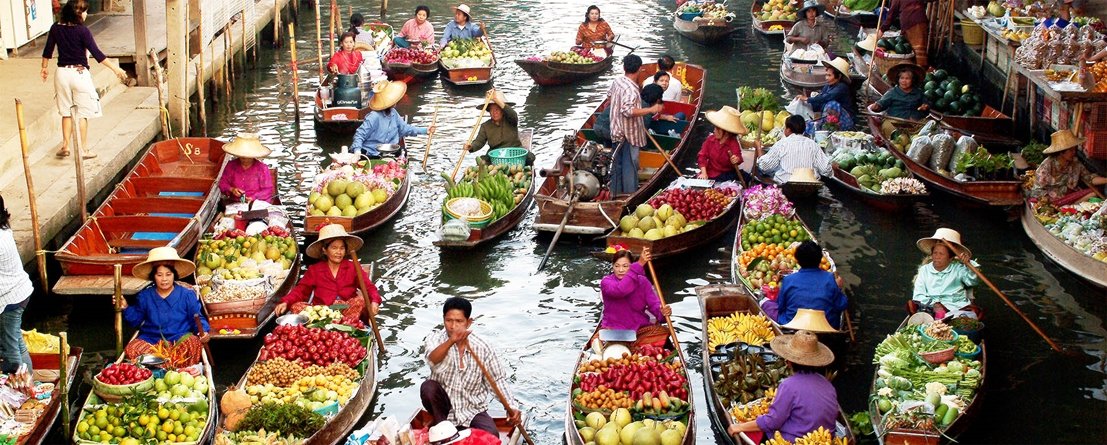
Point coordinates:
pixel 498 97
pixel 802 348
pixel 926 244
pixel 917 72
pixel 246 145
pixel 163 255
pixel 869 44
pixel 803 174
pixel 387 95
pixel 1062 140
pixel 841 66
pixel 812 320
pixel 727 118
pixel 329 232
pixel 463 8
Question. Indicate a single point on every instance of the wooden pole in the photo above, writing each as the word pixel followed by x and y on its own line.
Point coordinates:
pixel 319 41
pixel 40 256
pixel 869 75
pixel 159 82
pixel 295 72
pixel 331 24
pixel 228 61
pixel 472 134
pixel 63 378
pixel 337 16
pixel 430 137
pixel 244 39
pixel 82 200
pixel 664 154
pixel 669 321
pixel 277 23
pixel 365 294
pixel 200 96
pixel 499 393
pixel 117 301
pixel 384 8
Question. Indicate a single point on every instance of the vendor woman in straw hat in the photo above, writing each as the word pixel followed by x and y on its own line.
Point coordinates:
pixel 806 400
pixel 942 284
pixel 721 155
pixel 333 280
pixel 383 125
pixel 164 312
pixel 1059 177
pixel 835 98
pixel 500 130
pixel 245 178
pixel 809 28
pixel 905 100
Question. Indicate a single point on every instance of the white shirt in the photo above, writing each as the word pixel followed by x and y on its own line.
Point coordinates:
pixel 671 94
pixel 15 285
pixel 792 152
pixel 462 379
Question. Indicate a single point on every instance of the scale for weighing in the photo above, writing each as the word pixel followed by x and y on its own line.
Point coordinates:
pixel 612 343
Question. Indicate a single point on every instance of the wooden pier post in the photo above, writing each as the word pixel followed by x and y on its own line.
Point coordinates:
pixel 176 26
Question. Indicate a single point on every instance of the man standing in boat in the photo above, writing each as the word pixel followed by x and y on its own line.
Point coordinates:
pixel 457 389
pixel 500 130
pixel 628 131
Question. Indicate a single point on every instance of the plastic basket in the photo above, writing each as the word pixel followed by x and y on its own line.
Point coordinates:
pixel 508 156
pixel 922 332
pixel 689 16
pixel 970 355
pixel 938 357
pixel 971 33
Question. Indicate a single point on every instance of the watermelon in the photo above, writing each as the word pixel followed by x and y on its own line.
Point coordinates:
pixel 940 75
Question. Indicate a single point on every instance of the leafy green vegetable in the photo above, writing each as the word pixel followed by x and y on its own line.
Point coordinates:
pixel 861 423
pixel 1032 153
pixel 757 99
pixel 284 419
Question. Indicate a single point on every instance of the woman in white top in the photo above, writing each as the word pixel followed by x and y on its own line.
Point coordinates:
pixel 15 293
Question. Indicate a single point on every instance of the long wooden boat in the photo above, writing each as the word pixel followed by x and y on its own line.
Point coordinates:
pixel 411 72
pixel 167 199
pixel 723 300
pixel 572 433
pixel 45 422
pixel 338 120
pixel 469 76
pixel 1073 260
pixel 509 435
pixel 600 216
pixel 864 19
pixel 883 201
pixel 900 436
pixel 703 31
pixel 368 221
pixel 764 27
pixel 546 73
pixel 992 193
pixel 682 242
pixel 795 191
pixel 497 228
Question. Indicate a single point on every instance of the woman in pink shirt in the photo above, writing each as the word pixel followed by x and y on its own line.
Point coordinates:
pixel 417 31
pixel 628 294
pixel 245 179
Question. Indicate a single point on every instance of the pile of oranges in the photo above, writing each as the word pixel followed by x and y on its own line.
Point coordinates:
pixel 1099 70
pixel 773 251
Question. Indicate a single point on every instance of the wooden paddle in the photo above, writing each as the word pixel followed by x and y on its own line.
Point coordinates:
pixel 995 289
pixel 430 137
pixel 200 331
pixel 669 321
pixel 365 296
pixel 499 394
pixel 879 20
pixel 472 135
pixel 664 154
pixel 117 301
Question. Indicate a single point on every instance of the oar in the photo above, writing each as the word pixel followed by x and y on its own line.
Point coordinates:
pixel 557 234
pixel 669 321
pixel 612 42
pixel 200 331
pixel 499 394
pixel 365 296
pixel 664 154
pixel 117 302
pixel 995 289
pixel 40 255
pixel 472 135
pixel 430 137
pixel 1094 189
pixel 879 19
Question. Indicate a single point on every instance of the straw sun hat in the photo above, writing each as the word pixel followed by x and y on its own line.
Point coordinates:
pixel 246 145
pixel 329 232
pixel 728 119
pixel 1062 140
pixel 446 433
pixel 917 72
pixel 841 66
pixel 498 96
pixel 463 8
pixel 812 320
pixel 802 348
pixel 869 44
pixel 802 13
pixel 159 255
pixel 387 95
pixel 926 244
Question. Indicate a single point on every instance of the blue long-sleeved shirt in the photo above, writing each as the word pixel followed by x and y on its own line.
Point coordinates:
pixel 169 317
pixel 453 31
pixel 380 128
pixel 811 288
pixel 838 92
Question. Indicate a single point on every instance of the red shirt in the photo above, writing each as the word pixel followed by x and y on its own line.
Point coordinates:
pixel 715 157
pixel 329 288
pixel 346 61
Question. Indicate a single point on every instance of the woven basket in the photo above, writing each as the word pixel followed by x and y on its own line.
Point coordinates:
pixel 887 61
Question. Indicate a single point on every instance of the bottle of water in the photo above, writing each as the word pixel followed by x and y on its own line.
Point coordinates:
pixel 673 133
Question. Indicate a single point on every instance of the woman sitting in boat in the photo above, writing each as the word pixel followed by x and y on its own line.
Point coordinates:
pixel 383 125
pixel 665 81
pixel 1058 178
pixel 500 130
pixel 346 60
pixel 417 31
pixel 834 99
pixel 461 27
pixel 332 281
pixel 810 29
pixel 164 312
pixel 673 87
pixel 811 288
pixel 363 40
pixel 245 178
pixel 594 29
pixel 721 154
pixel 806 400
pixel 942 285
pixel 905 100
pixel 628 295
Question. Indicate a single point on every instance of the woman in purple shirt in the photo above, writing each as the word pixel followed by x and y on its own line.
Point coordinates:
pixel 73 83
pixel 627 294
pixel 806 400
pixel 245 178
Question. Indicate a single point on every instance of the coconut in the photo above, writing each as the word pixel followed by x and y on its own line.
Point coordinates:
pixel 349 210
pixel 324 203
pixel 354 189
pixel 643 210
pixel 334 211
pixel 636 233
pixel 379 195
pixel 628 222
pixel 337 187
pixel 364 201
pixel 312 197
pixel 646 223
pixel 343 201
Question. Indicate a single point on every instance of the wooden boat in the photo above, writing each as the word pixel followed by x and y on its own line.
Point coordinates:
pixel 795 191
pixel 882 201
pixel 1073 260
pixel 365 222
pixel 411 72
pixel 572 434
pixel 45 422
pixel 763 27
pixel 681 242
pixel 721 301
pixel 548 73
pixel 167 199
pixel 601 215
pixel 992 193
pixel 469 76
pixel 340 120
pixel 864 19
pixel 703 31
pixel 497 228
pixel 509 435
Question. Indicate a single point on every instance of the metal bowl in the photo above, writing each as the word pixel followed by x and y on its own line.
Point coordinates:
pixel 292 320
pixel 389 150
pixel 150 361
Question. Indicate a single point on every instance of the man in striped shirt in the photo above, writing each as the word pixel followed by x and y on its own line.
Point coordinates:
pixel 792 152
pixel 457 389
pixel 628 130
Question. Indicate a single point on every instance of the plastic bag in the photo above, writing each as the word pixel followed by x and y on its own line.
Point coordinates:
pixel 800 108
pixel 456 230
pixel 929 128
pixel 942 144
pixel 920 149
pixel 965 144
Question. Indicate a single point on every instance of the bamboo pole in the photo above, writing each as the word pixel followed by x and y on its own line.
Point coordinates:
pixel 430 137
pixel 330 21
pixel 384 8
pixel 63 378
pixel 337 16
pixel 277 23
pixel 117 301
pixel 665 155
pixel 365 294
pixel 319 41
pixel 82 202
pixel 295 72
pixel 472 134
pixel 869 75
pixel 155 64
pixel 499 394
pixel 40 256
pixel 228 62
pixel 668 320
pixel 244 39
pixel 200 81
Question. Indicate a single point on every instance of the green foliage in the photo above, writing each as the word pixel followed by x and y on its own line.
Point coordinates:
pixel 288 419
pixel 758 99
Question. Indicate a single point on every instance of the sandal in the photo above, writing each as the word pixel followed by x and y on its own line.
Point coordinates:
pixel 64 153
pixel 88 155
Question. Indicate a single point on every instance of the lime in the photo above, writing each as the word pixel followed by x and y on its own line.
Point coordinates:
pixel 163 413
pixel 174 415
pixel 82 427
pixel 178 429
pixel 119 431
pixel 161 435
pixel 167 427
pixel 101 422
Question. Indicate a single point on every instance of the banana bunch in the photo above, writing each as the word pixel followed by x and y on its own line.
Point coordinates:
pixel 777 439
pixel 750 329
pixel 820 436
pixel 460 190
pixel 496 189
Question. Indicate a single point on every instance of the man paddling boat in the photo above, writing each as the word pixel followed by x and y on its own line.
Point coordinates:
pixel 500 130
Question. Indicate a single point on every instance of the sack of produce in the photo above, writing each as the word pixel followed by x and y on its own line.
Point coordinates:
pixel 942 145
pixel 965 144
pixel 929 128
pixel 920 149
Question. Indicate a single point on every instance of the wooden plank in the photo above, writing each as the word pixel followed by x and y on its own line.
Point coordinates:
pixel 126 224
pixel 137 243
pixel 96 285
pixel 154 184
pixel 156 204
pixel 142 62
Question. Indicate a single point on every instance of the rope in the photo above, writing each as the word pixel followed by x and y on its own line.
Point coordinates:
pixel 608 218
pixel 99 230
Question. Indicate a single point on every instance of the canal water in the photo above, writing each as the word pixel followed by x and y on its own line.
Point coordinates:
pixel 538 320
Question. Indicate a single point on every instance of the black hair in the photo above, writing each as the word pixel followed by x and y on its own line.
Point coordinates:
pixel 631 63
pixel 71 12
pixel 625 253
pixel 168 265
pixel 808 254
pixel 795 123
pixel 458 303
pixel 5 217
pixel 589 11
pixel 423 8
pixel 651 94
pixel 356 20
pixel 350 34
pixel 804 369
pixel 658 75
pixel 665 63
